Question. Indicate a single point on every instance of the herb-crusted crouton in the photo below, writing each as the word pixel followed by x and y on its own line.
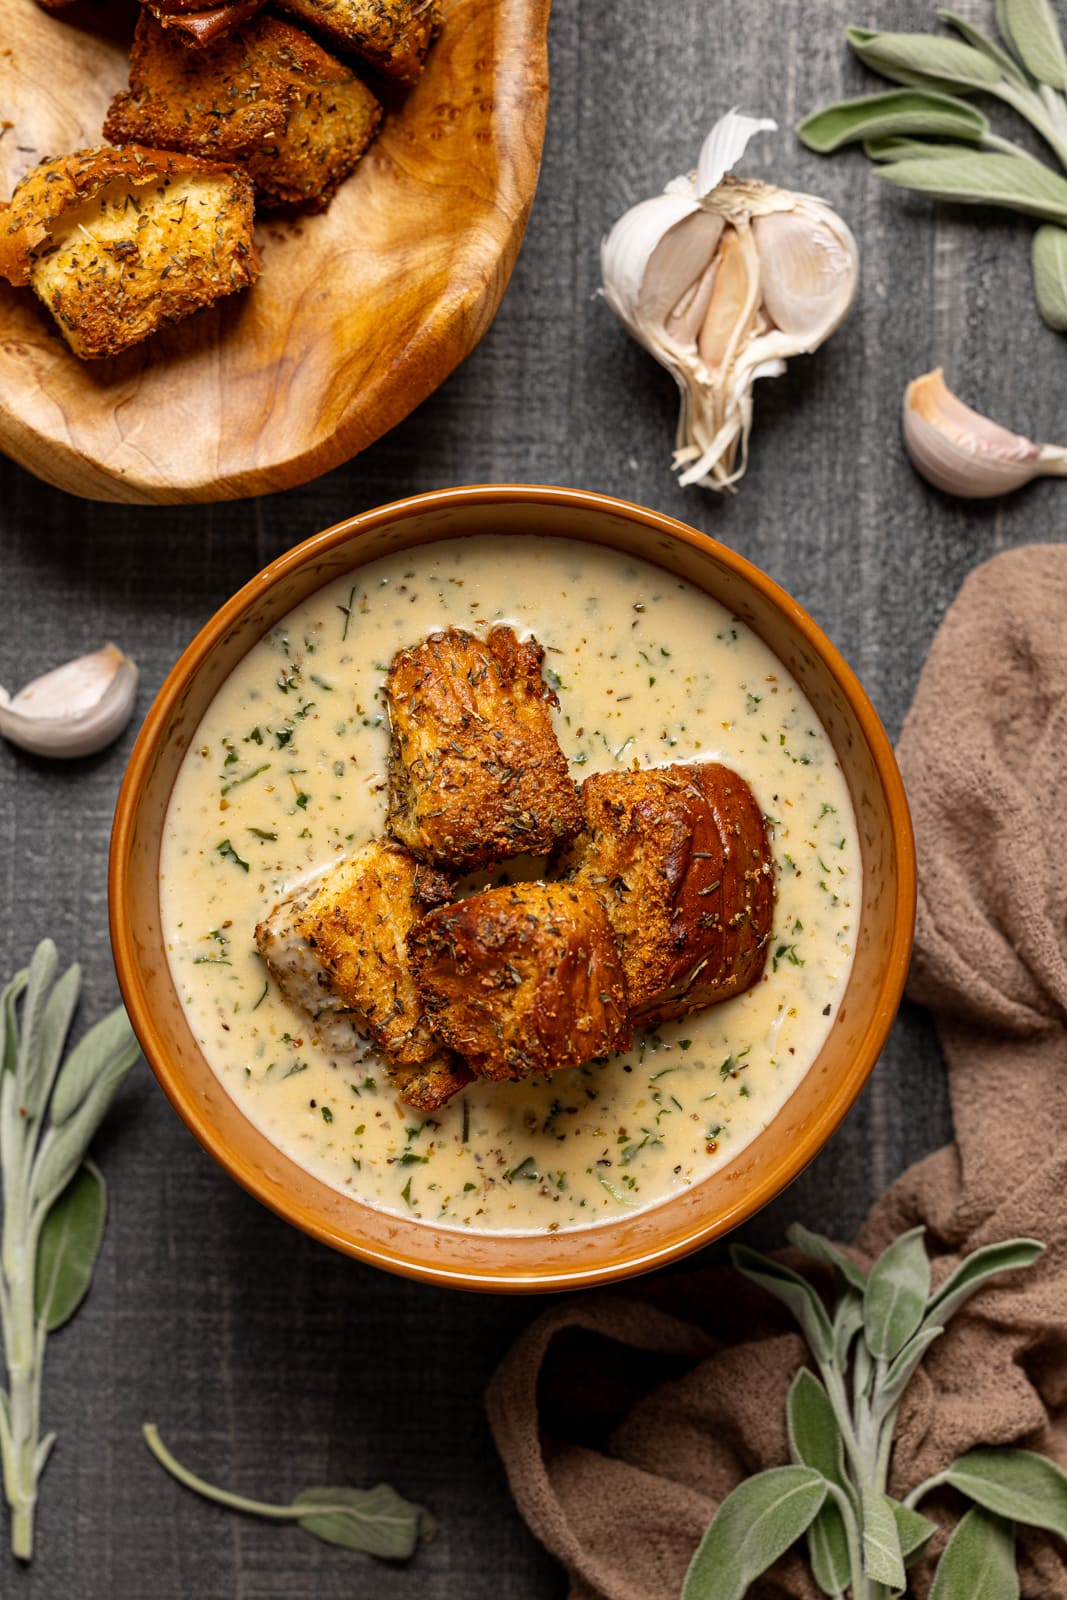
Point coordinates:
pixel 116 243
pixel 268 97
pixel 522 979
pixel 680 857
pixel 476 772
pixel 392 36
pixel 337 950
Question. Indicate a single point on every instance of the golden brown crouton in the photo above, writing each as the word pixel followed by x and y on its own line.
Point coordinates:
pixel 392 36
pixel 680 858
pixel 269 97
pixel 476 773
pixel 522 979
pixel 118 242
pixel 337 949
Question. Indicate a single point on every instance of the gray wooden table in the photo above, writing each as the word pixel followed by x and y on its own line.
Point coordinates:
pixel 269 1362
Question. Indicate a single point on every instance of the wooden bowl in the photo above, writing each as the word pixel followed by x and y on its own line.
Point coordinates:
pixel 608 1250
pixel 359 314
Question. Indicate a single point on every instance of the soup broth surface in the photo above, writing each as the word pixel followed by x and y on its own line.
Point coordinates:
pixel 287 774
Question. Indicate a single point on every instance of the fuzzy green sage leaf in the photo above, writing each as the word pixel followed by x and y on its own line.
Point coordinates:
pixel 815 1441
pixel 985 178
pixel 976 1269
pixel 1019 1484
pixel 756 1523
pixel 1049 258
pixel 1005 63
pixel 377 1521
pixel 1030 28
pixel 913 1530
pixel 896 1295
pixel 896 112
pixel 793 1290
pixel 979 1561
pixel 883 1560
pixel 820 1248
pixel 69 1245
pixel 924 60
pixel 51 1229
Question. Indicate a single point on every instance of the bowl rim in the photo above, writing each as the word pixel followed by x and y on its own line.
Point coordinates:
pixel 766 1185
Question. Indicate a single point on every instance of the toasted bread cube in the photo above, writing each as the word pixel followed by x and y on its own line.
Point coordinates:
pixel 522 979
pixel 337 950
pixel 118 242
pixel 476 773
pixel 269 97
pixel 392 36
pixel 680 857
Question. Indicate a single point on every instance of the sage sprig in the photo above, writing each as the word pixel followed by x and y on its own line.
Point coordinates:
pixel 841 1417
pixel 377 1521
pixel 927 135
pixel 54 1198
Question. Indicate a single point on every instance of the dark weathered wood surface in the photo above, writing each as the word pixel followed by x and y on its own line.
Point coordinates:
pixel 269 1362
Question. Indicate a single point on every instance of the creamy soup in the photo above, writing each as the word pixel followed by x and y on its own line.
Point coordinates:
pixel 287 773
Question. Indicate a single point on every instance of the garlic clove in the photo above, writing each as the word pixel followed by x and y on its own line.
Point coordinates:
pixel 963 453
pixel 626 252
pixel 810 268
pixel 676 266
pixel 74 710
pixel 734 299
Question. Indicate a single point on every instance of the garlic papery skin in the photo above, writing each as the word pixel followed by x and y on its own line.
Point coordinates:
pixel 965 454
pixel 74 710
pixel 722 280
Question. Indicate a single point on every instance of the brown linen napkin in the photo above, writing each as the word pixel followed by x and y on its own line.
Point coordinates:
pixel 624 1418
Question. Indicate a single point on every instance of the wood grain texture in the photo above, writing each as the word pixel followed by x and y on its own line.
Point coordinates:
pixel 359 314
pixel 269 1361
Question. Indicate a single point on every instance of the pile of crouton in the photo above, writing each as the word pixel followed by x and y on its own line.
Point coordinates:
pixel 656 899
pixel 228 110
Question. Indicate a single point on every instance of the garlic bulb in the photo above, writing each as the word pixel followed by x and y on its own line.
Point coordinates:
pixel 962 452
pixel 74 710
pixel 722 280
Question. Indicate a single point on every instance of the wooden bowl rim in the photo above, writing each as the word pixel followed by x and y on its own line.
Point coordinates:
pixel 413 1263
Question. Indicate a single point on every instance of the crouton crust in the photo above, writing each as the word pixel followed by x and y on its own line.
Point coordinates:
pixel 680 858
pixel 522 979
pixel 59 185
pixel 269 97
pixel 392 36
pixel 476 772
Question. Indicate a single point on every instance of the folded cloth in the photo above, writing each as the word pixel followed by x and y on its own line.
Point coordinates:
pixel 623 1419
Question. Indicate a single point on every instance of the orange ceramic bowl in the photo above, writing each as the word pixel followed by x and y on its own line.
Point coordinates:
pixel 607 1250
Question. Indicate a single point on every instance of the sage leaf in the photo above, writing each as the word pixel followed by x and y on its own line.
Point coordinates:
pixel 1019 1484
pixel 895 1298
pixel 978 1563
pixel 985 1263
pixel 913 1530
pixel 793 1291
pixel 62 1150
pixel 907 112
pixel 848 1320
pixel 41 972
pixel 9 1033
pixel 923 60
pixel 1050 275
pixel 111 1036
pixel 883 1561
pixel 815 1441
pixel 895 149
pixel 1030 28
pixel 56 1016
pixel 981 41
pixel 985 178
pixel 756 1523
pixel 68 1247
pixel 377 1521
pixel 902 1368
pixel 820 1248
